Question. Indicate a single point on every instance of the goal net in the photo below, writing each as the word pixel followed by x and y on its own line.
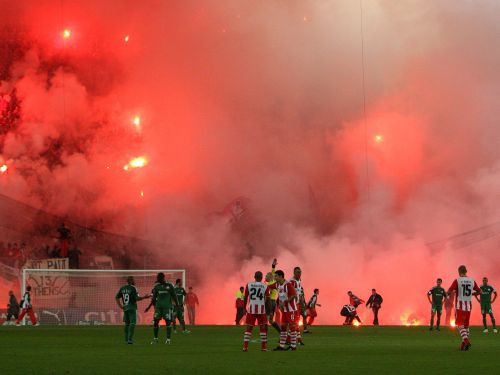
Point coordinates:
pixel 87 297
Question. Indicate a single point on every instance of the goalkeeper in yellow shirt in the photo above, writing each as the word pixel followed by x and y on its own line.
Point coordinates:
pixel 271 304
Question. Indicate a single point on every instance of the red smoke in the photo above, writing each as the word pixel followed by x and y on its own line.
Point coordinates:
pixel 264 101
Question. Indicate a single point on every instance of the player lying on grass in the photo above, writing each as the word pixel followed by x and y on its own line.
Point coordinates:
pixel 438 297
pixel 163 296
pixel 256 296
pixel 126 299
pixel 486 302
pixel 180 292
pixel 464 288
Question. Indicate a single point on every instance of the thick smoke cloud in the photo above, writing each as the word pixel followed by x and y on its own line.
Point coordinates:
pixel 264 100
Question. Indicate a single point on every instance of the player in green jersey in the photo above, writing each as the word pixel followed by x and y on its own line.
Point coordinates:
pixel 126 299
pixel 486 302
pixel 163 296
pixel 438 296
pixel 180 292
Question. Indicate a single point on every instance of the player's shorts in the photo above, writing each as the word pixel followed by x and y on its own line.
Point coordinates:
pixel 486 308
pixel 130 316
pixel 179 312
pixel 462 318
pixel 271 308
pixel 163 313
pixel 289 317
pixel 437 308
pixel 260 318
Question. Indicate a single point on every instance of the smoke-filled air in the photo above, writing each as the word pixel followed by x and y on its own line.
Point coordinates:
pixel 357 140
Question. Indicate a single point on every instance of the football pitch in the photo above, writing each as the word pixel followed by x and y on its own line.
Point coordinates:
pixel 217 350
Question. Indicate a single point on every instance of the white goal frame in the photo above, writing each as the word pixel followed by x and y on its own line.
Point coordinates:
pixel 26 271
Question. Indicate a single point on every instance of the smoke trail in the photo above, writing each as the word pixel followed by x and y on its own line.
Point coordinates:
pixel 262 102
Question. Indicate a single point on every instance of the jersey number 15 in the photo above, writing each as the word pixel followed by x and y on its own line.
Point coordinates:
pixel 466 290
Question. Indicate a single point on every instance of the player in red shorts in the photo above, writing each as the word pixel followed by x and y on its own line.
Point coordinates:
pixel 287 300
pixel 257 293
pixel 311 307
pixel 27 308
pixel 464 288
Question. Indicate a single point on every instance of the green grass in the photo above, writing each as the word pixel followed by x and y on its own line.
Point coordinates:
pixel 217 350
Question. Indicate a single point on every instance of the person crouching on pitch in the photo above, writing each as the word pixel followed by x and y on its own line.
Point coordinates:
pixel 287 301
pixel 256 296
pixel 349 312
pixel 27 308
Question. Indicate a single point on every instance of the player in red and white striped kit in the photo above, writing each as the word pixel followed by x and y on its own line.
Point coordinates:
pixel 257 293
pixel 287 300
pixel 27 308
pixel 464 288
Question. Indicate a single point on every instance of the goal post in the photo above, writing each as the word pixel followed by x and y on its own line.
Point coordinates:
pixel 87 297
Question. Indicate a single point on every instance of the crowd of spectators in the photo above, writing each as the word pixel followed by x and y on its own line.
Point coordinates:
pixel 13 254
pixel 62 244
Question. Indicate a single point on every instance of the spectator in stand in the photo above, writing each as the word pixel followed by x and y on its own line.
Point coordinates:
pixel 12 307
pixel 16 256
pixel 46 252
pixel 55 253
pixel 125 258
pixel 9 254
pixel 23 253
pixel 240 305
pixel 74 257
pixel 191 302
pixel 64 237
